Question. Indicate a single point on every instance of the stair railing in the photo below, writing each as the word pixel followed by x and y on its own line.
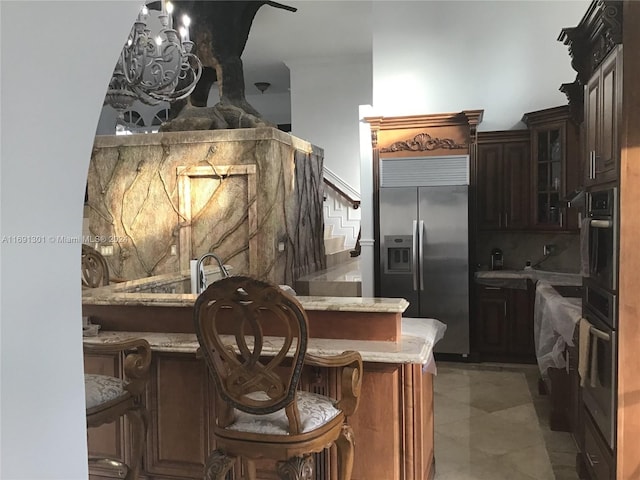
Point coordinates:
pixel 351 199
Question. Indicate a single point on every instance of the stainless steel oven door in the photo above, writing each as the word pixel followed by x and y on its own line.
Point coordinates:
pixel 603 238
pixel 599 392
pixel 603 253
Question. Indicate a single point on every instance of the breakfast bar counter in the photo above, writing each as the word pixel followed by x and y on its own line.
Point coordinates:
pixel 393 425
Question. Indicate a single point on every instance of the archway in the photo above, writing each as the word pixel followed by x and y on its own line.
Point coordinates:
pixel 57 58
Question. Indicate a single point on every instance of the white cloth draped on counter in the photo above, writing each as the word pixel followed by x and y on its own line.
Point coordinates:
pixel 431 330
pixel 555 318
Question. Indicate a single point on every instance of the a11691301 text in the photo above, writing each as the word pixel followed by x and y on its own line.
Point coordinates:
pixel 87 239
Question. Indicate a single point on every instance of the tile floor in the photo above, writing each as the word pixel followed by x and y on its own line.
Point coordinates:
pixel 491 423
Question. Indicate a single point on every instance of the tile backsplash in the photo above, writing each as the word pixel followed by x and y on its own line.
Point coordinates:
pixel 520 247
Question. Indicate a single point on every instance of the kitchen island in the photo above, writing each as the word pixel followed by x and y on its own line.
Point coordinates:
pixel 393 425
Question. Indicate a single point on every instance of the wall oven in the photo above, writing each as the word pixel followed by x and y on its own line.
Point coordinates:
pixel 603 239
pixel 599 307
pixel 600 386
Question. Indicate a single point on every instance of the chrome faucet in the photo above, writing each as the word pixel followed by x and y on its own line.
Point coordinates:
pixel 202 279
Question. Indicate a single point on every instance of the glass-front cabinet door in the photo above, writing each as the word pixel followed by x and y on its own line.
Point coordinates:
pixel 555 169
pixel 548 161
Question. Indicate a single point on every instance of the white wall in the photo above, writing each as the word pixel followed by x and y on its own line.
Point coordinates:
pixel 325 96
pixel 448 56
pixel 56 60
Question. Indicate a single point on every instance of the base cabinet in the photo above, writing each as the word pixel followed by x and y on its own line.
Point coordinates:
pixel 393 426
pixel 504 324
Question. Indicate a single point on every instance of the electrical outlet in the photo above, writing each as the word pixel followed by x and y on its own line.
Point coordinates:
pixel 106 250
pixel 549 249
pixel 174 250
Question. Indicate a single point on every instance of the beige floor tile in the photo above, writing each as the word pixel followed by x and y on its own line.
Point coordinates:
pixel 490 423
pixel 524 413
pixel 489 397
pixel 491 435
pixel 448 410
pixel 533 461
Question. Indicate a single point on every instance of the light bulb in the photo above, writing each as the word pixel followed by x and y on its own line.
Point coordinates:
pixel 158 40
pixel 184 34
pixel 169 6
pixel 186 21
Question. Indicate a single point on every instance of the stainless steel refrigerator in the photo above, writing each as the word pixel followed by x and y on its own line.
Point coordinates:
pixel 424 236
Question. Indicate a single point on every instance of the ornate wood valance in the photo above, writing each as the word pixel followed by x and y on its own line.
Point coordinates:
pixel 424 142
pixel 425 134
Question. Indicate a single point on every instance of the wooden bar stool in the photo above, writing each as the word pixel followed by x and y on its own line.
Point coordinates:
pixel 261 413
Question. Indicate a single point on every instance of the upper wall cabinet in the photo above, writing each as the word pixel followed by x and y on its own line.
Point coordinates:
pixel 503 177
pixel 555 167
pixel 595 46
pixel 603 107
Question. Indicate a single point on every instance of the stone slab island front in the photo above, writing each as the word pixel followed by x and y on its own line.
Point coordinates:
pixel 393 425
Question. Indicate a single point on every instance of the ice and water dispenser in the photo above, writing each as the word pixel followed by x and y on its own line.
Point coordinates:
pixel 398 252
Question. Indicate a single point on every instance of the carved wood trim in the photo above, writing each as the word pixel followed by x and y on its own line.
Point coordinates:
pixel 595 36
pixel 575 95
pixel 423 142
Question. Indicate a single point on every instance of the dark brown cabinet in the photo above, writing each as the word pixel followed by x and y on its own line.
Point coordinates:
pixel 555 167
pixel 504 324
pixel 603 108
pixel 503 180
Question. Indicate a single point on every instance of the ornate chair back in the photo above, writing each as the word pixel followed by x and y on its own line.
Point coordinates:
pixel 95 271
pixel 244 378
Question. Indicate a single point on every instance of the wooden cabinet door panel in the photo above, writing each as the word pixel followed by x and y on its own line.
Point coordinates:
pixel 516 185
pixel 376 425
pixel 178 439
pixel 492 327
pixel 592 126
pixel 521 322
pixel 603 106
pixel 607 158
pixel 490 186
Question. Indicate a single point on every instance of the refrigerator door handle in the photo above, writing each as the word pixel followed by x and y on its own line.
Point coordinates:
pixel 414 259
pixel 421 254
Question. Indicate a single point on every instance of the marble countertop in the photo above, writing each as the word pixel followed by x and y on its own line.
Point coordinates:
pixel 518 278
pixel 137 293
pixel 419 335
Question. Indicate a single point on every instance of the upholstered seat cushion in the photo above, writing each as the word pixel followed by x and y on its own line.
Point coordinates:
pixel 315 411
pixel 101 389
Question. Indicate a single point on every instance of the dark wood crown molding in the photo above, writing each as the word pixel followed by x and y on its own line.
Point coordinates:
pixel 595 36
pixel 466 117
pixel 548 115
pixel 503 136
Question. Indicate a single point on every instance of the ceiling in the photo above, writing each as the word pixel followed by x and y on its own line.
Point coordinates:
pixel 319 28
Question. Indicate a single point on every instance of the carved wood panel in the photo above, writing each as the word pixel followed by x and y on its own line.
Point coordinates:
pixel 377 425
pixel 180 401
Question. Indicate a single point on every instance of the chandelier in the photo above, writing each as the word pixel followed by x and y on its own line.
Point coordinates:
pixel 154 68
